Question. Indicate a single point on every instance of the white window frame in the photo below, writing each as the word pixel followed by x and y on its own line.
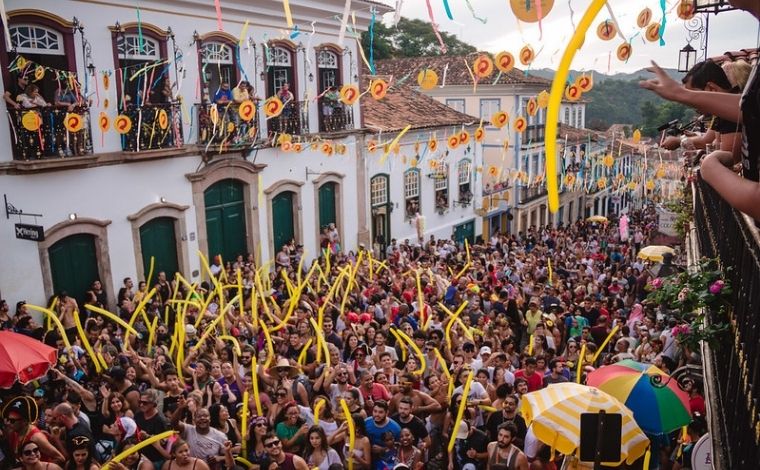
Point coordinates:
pixel 457 104
pixel 379 190
pixel 217 52
pixel 412 183
pixel 37 34
pixel 442 183
pixel 327 59
pixel 464 172
pixel 488 107
pixel 280 57
pixel 151 49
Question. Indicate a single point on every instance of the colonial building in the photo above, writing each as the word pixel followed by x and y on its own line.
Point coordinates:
pixel 152 150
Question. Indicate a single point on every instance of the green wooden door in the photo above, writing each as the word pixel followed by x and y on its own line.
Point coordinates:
pixel 74 265
pixel 327 213
pixel 225 219
pixel 157 239
pixel 465 231
pixel 283 226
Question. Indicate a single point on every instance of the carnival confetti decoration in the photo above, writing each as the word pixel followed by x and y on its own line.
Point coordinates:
pixel 349 93
pixel 273 107
pixel 122 124
pixel 505 61
pixel 427 79
pixel 499 119
pixel 378 88
pixel 483 66
pixel 527 55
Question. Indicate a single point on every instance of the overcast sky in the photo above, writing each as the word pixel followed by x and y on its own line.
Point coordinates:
pixel 728 31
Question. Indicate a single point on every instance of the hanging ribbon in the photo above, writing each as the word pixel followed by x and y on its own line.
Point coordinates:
pixel 288 14
pixel 540 15
pixel 344 23
pixel 372 42
pixel 664 22
pixel 472 10
pixel 218 7
pixel 140 39
pixel 448 10
pixel 397 12
pixel 435 28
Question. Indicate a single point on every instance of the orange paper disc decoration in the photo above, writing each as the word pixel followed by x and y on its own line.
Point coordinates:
pixel 543 99
pixel 163 119
pixel 464 137
pixel 327 148
pixel 105 103
pixel 230 127
pixel 480 133
pixel 106 81
pixel 349 94
pixel 608 161
pixel 505 61
pixel 432 144
pixel 73 122
pixel 606 30
pixel 686 10
pixel 520 124
pixel 650 185
pixel 499 119
pixel 569 179
pixel 453 141
pixel 527 55
pixel 427 79
pixel 624 51
pixel 378 88
pixel 273 106
pixel 103 122
pixel 493 171
pixel 653 32
pixel 122 124
pixel 371 146
pixel 31 121
pixel 573 92
pixel 532 107
pixel 483 66
pixel 644 18
pixel 286 146
pixel 246 110
pixel 297 147
pixel 585 82
pixel 527 10
pixel 340 149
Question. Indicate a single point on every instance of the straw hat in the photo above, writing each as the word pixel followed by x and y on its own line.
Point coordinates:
pixel 283 365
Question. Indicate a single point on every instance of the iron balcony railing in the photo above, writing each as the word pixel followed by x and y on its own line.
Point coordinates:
pixel 725 233
pixel 42 133
pixel 152 127
pixel 531 193
pixel 335 117
pixel 224 127
pixel 293 120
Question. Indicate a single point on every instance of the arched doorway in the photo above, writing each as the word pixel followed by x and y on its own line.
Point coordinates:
pixel 74 265
pixel 283 225
pixel 158 240
pixel 225 219
pixel 327 204
pixel 381 208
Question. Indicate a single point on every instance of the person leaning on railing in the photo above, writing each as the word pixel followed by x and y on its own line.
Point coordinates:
pixel 741 193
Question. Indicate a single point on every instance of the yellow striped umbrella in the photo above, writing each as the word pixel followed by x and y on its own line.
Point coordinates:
pixel 598 219
pixel 555 416
pixel 655 252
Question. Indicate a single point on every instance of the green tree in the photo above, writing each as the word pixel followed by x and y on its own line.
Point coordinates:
pixel 411 38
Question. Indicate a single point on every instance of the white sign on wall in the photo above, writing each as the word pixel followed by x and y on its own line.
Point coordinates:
pixel 667 221
pixel 702 454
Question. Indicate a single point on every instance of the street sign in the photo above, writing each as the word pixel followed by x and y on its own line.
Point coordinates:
pixel 35 233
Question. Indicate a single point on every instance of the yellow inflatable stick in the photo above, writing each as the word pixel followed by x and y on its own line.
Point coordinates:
pixel 255 383
pixel 86 343
pixel 244 418
pixel 152 333
pixel 604 344
pixel 245 462
pixel 444 366
pixel 321 343
pixel 394 332
pixel 270 345
pixel 318 408
pixel 460 412
pixel 113 317
pixel 420 356
pixel 235 343
pixel 52 316
pixel 140 446
pixel 137 311
pixel 555 100
pixel 304 352
pixel 351 433
pixel 581 358
pixel 451 320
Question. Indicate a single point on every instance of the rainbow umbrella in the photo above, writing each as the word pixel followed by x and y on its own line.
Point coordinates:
pixel 657 402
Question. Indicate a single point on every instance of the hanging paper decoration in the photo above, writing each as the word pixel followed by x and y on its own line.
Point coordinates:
pixel 297 147
pixel 349 93
pixel 453 141
pixel 483 66
pixel 273 106
pixel 106 103
pixel 73 122
pixel 286 146
pixel 532 107
pixel 644 18
pixel 103 122
pixel 650 185
pixel 396 148
pixel 632 186
pixel 122 124
pixel 480 133
pixel 493 171
pixel 660 173
pixel 20 63
pixel 499 119
pixel 636 136
pixel 31 121
pixel 585 82
pixel 288 13
pixel 505 61
pixel 527 55
pixel 464 138
pixel 573 92
pixel 606 30
pixel 427 79
pixel 543 99
pixel 653 32
pixel 106 81
pixel 520 124
pixel 39 73
pixel 686 10
pixel 340 149
pixel 569 179
pixel 531 11
pixel 432 144
pixel 608 161
pixel 246 110
pixel 378 88
pixel 163 120
pixel 213 114
pixel 624 51
pixel 602 183
pixel 284 138
pixel 327 148
pixel 371 146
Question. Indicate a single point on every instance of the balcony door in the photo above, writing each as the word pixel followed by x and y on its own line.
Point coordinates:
pixel 225 219
pixel 74 265
pixel 283 224
pixel 159 241
pixel 135 52
pixel 280 70
pixel 327 204
pixel 43 46
pixel 217 67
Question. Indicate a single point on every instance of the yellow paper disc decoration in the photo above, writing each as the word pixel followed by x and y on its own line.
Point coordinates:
pixel 106 81
pixel 432 144
pixel 371 146
pixel 499 119
pixel 543 99
pixel 105 103
pixel 528 10
pixel 163 119
pixel 573 92
pixel 532 107
pixel 21 63
pixel 122 124
pixel 73 122
pixel 273 106
pixel 349 94
pixel 624 51
pixel 464 138
pixel 483 66
pixel 527 55
pixel 213 114
pixel 39 73
pixel 378 88
pixel 453 141
pixel 585 82
pixel 645 16
pixel 427 79
pixel 608 161
pixel 31 121
pixel 606 30
pixel 650 185
pixel 297 147
pixel 636 136
pixel 246 110
pixel 327 148
pixel 520 124
pixel 480 133
pixel 505 61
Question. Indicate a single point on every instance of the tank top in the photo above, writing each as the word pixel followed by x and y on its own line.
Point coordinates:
pixel 509 462
pixel 287 464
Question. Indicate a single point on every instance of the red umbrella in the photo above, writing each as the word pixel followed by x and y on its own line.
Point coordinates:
pixel 23 358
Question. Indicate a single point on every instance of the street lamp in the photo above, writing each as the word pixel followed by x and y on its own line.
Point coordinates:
pixel 687 57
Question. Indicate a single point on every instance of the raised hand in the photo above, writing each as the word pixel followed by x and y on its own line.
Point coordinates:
pixel 662 84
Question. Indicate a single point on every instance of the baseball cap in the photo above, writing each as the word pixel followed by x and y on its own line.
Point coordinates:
pixel 485 350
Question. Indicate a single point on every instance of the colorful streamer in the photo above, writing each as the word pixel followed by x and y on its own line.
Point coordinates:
pixel 288 14
pixel 435 28
pixel 448 10
pixel 218 8
pixel 664 22
pixel 344 23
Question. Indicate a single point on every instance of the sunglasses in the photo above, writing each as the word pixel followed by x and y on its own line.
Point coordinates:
pixel 272 444
pixel 30 452
pixel 262 424
pixel 12 420
pixel 282 394
pixel 146 402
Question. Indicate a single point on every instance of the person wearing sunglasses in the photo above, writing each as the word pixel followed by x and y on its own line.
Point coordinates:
pixel 257 453
pixel 29 457
pixel 19 414
pixel 280 459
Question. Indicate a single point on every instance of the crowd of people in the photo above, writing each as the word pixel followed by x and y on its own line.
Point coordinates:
pixel 242 396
